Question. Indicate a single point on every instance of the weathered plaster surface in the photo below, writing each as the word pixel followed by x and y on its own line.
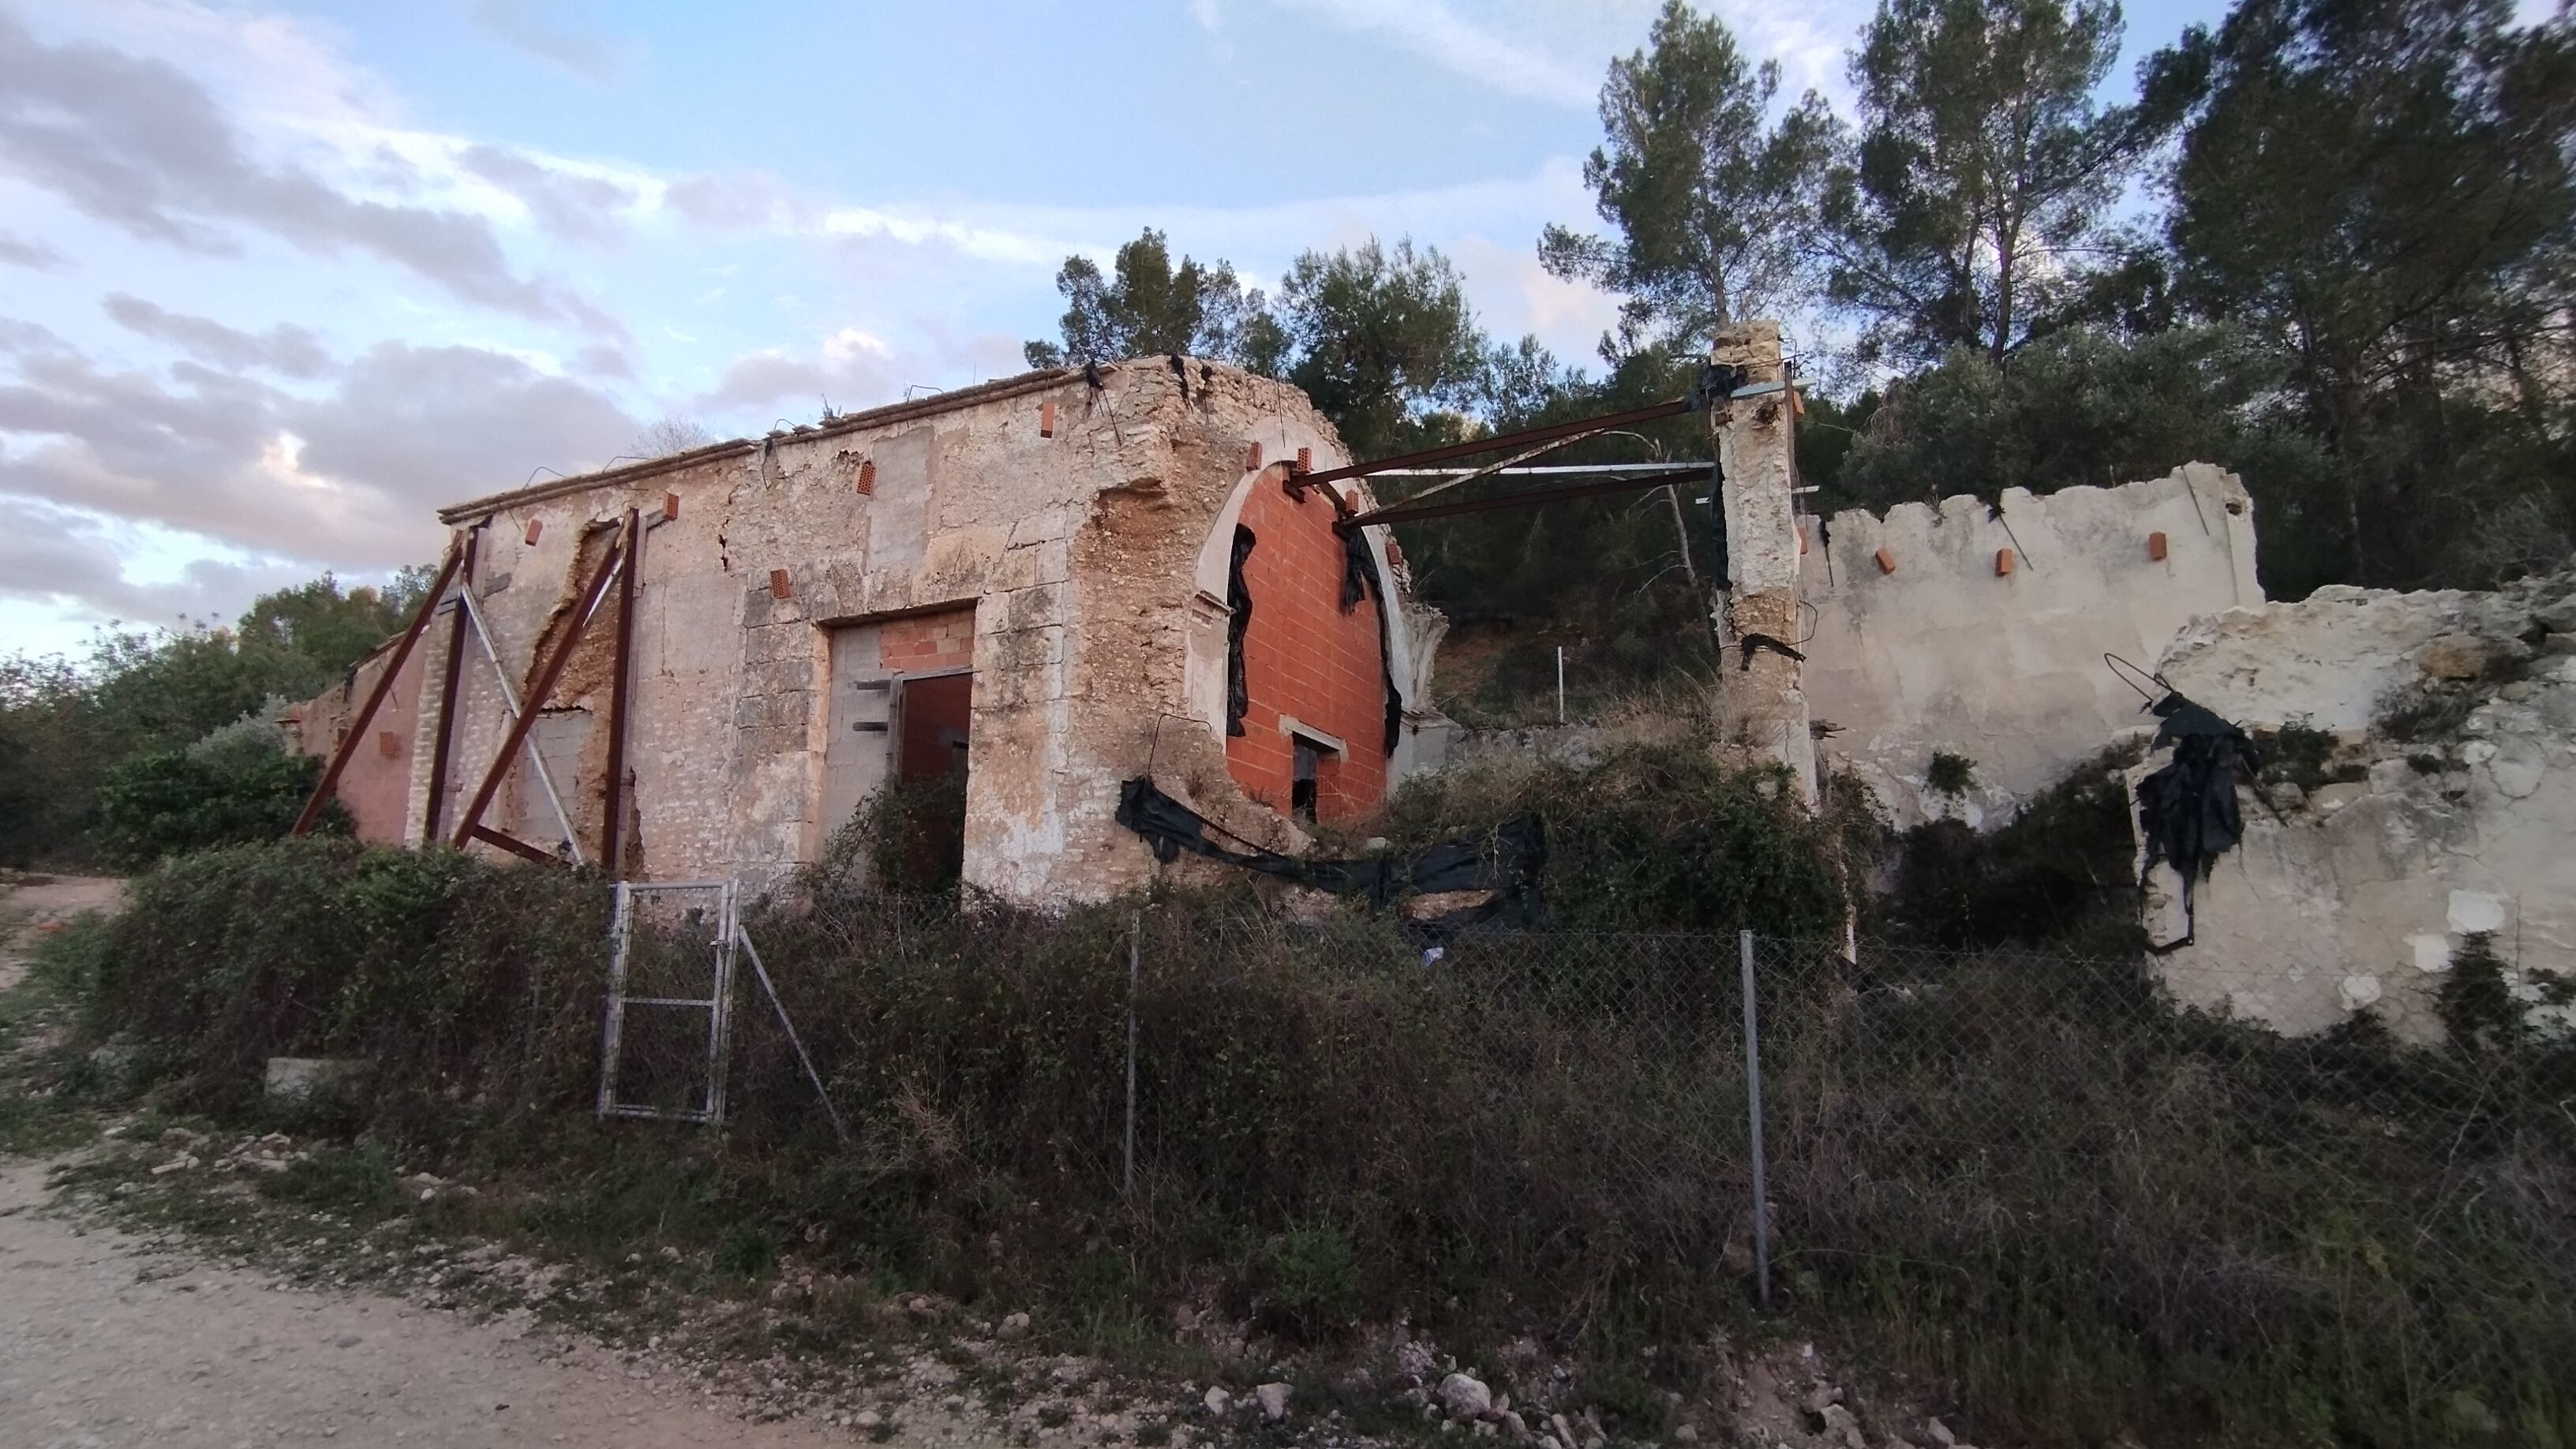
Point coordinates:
pixel 374 783
pixel 2359 893
pixel 1074 524
pixel 1762 707
pixel 2006 669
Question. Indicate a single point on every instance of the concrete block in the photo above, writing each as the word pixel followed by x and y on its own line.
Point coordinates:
pixel 294 1081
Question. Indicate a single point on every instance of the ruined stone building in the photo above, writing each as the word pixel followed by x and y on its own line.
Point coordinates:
pixel 1046 584
pixel 1988 630
pixel 1063 581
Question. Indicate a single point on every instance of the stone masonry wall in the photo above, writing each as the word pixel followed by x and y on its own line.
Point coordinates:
pixel 375 784
pixel 1955 649
pixel 1075 523
pixel 2356 894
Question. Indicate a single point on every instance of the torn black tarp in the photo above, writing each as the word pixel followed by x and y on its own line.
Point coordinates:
pixel 2187 808
pixel 1359 579
pixel 1506 861
pixel 1238 597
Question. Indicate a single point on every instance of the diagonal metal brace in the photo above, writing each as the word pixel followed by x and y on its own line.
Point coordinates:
pixel 539 689
pixel 510 701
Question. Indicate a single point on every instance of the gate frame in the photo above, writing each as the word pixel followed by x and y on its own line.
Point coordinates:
pixel 718 1005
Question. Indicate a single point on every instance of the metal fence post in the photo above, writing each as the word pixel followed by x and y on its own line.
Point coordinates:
pixel 1135 928
pixel 1753 1107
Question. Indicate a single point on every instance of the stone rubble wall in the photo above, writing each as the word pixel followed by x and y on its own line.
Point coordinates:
pixel 1097 642
pixel 2359 893
pixel 1947 653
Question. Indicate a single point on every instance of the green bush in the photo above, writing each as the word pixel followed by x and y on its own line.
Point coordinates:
pixel 2026 1178
pixel 2061 871
pixel 425 961
pixel 175 801
pixel 1651 837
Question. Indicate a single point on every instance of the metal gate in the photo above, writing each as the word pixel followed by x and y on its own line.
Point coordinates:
pixel 670 994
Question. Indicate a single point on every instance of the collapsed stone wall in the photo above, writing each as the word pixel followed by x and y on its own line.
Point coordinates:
pixel 2448 805
pixel 1980 631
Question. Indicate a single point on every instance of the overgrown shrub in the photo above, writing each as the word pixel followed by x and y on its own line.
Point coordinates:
pixel 425 961
pixel 2061 871
pixel 2026 1178
pixel 175 801
pixel 1656 836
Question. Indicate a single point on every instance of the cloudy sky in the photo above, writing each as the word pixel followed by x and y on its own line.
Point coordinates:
pixel 277 280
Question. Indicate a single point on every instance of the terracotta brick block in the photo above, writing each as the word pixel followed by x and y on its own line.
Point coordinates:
pixel 536 526
pixel 2157 547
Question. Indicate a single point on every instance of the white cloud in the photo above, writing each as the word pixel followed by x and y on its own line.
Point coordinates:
pixel 581 50
pixel 1431 30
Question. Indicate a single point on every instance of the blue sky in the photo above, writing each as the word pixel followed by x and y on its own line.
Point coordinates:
pixel 276 280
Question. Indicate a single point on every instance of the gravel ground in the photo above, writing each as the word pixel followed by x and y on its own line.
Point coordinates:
pixel 105 1341
pixel 42 901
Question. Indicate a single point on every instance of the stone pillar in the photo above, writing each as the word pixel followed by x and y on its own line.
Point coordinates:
pixel 1761 710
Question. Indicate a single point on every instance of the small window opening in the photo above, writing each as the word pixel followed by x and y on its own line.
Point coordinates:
pixel 1302 786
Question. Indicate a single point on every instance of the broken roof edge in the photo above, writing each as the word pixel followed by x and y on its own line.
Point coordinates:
pixel 997 390
pixel 2181 475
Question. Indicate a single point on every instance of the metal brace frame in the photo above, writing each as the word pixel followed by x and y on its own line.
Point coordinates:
pixel 510 701
pixel 718 1004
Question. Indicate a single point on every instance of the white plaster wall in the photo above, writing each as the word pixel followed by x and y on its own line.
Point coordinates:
pixel 2357 896
pixel 2007 670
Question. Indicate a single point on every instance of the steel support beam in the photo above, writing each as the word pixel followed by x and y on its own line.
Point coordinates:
pixel 484 636
pixel 443 753
pixel 612 825
pixel 1628 483
pixel 348 742
pixel 1499 442
pixel 538 690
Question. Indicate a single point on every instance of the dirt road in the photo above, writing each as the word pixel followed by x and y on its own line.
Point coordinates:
pixel 29 905
pixel 105 1343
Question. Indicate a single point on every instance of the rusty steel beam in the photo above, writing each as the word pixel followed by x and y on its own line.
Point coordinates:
pixel 1499 441
pixel 348 743
pixel 611 828
pixel 514 845
pixel 538 690
pixel 444 750
pixel 1628 483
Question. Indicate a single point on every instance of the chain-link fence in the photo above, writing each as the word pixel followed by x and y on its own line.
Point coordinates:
pixel 670 1001
pixel 2042 1173
pixel 2030 1174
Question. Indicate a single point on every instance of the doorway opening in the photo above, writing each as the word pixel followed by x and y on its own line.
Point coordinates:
pixel 933 718
pixel 1312 766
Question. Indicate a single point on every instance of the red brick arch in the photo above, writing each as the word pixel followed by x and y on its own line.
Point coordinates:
pixel 1303 658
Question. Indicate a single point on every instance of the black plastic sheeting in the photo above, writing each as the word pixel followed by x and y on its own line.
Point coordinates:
pixel 1506 861
pixel 1359 577
pixel 1238 597
pixel 2187 809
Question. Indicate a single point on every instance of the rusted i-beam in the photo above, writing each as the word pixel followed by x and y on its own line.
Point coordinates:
pixel 1625 483
pixel 444 750
pixel 612 828
pixel 538 690
pixel 514 845
pixel 348 743
pixel 1500 441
